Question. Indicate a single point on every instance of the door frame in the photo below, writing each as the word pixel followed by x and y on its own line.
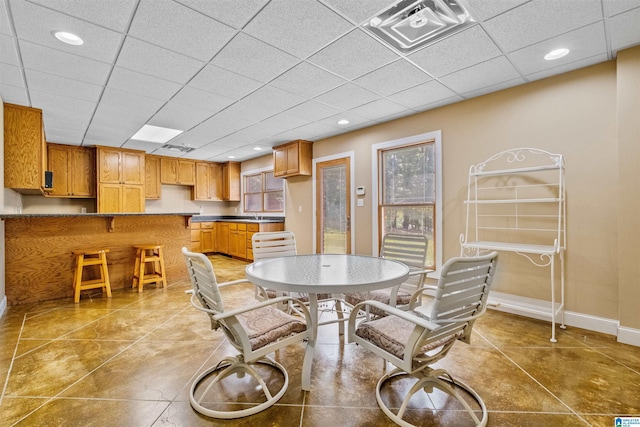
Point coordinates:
pixel 350 155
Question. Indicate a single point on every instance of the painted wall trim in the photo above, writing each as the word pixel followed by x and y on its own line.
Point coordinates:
pixel 3 305
pixel 629 336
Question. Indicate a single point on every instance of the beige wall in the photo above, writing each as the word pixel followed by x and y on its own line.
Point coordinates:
pixel 573 114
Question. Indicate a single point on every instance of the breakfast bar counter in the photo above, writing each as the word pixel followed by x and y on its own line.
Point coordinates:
pixel 38 249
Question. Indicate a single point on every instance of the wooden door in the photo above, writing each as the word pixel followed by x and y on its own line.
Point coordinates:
pixel 206 240
pixel 109 198
pixel 186 173
pixel 133 171
pixel 280 162
pixel 333 206
pixel 132 198
pixel 215 176
pixel 82 173
pixel 58 158
pixel 152 189
pixel 292 158
pixel 222 245
pixel 109 165
pixel 202 189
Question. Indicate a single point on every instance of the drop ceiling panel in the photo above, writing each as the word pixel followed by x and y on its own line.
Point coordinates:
pixel 485 9
pixel 539 20
pixel 71 88
pixel 583 43
pixel 488 73
pixel 347 96
pixel 494 87
pixel 353 55
pixel 312 110
pixel 59 106
pixel 142 84
pixel 222 82
pixel 176 27
pixel 625 29
pixel 285 121
pixel 113 14
pixel 357 10
pixel 179 116
pixel 35 23
pixel 253 58
pixel 14 94
pixel 64 136
pixel 378 109
pixel 146 58
pixel 392 78
pixel 424 94
pixel 8 50
pixel 200 99
pixel 563 68
pixel 271 100
pixel 314 25
pixel 5 23
pixel 307 80
pixel 614 7
pixel 63 64
pixel 227 11
pixel 456 52
pixel 11 75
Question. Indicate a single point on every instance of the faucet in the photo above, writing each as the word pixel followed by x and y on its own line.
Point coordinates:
pixel 255 216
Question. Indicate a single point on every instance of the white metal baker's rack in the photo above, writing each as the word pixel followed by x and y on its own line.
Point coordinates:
pixel 516 202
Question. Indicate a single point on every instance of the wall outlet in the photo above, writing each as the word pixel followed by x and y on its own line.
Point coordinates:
pixel 360 202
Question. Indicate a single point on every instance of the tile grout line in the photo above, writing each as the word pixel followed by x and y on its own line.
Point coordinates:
pixel 13 358
pixel 534 379
pixel 50 399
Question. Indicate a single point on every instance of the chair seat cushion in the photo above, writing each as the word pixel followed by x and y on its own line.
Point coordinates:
pixel 268 324
pixel 381 295
pixel 391 334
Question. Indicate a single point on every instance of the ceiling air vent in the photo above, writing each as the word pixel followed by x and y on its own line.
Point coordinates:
pixel 409 24
pixel 181 148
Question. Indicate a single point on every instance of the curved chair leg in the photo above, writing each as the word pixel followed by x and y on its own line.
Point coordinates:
pixel 230 366
pixel 439 379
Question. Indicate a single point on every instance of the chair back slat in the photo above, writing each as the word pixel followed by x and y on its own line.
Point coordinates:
pixel 273 244
pixel 203 281
pixel 409 249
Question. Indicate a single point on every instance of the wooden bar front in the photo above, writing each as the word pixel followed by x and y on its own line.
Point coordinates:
pixel 38 260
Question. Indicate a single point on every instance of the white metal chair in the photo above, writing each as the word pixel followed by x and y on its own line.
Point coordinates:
pixel 409 249
pixel 413 340
pixel 254 331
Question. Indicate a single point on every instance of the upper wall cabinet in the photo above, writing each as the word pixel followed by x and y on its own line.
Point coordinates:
pixel 152 177
pixel 25 149
pixel 208 181
pixel 74 171
pixel 177 171
pixel 121 180
pixel 231 181
pixel 292 159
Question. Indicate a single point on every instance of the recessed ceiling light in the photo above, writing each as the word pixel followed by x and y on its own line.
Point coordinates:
pixel 68 38
pixel 156 134
pixel 343 122
pixel 257 148
pixel 556 54
pixel 231 157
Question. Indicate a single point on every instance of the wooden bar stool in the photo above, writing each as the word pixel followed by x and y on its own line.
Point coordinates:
pixel 149 254
pixel 87 258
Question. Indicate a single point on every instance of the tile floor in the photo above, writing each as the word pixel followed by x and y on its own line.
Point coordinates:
pixel 129 361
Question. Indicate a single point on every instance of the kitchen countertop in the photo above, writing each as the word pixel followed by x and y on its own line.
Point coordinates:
pixel 103 215
pixel 247 219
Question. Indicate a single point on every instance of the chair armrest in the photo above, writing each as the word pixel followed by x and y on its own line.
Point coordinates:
pixel 233 282
pixel 416 272
pixel 417 320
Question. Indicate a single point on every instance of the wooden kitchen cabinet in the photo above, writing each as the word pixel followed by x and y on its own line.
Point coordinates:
pixel 121 180
pixel 222 243
pixel 208 182
pixel 195 236
pixel 207 237
pixel 231 181
pixel 292 159
pixel 74 171
pixel 177 171
pixel 238 239
pixel 152 189
pixel 25 148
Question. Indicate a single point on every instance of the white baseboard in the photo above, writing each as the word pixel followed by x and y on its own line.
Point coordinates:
pixel 539 309
pixel 3 305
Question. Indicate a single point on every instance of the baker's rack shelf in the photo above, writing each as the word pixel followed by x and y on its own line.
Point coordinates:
pixel 516 202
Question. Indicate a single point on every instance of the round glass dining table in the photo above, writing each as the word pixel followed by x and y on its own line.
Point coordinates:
pixel 325 274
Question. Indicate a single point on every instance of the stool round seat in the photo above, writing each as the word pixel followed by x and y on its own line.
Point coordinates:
pixel 87 258
pixel 149 266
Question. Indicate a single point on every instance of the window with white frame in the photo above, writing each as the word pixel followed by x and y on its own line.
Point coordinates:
pixel 408 184
pixel 263 193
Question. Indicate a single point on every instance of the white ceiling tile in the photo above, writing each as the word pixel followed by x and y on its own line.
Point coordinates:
pixel 284 121
pixel 625 29
pixel 583 43
pixel 11 75
pixel 5 23
pixel 566 67
pixel 130 102
pixel 14 94
pixel 456 52
pixel 179 116
pixel 494 88
pixel 539 20
pixel 176 27
pixel 113 14
pixel 35 23
pixel 64 136
pixel 614 7
pixel 307 80
pixel 142 84
pixel 312 110
pixel 253 58
pixel 313 24
pixel 353 55
pixel 392 78
pixel 201 99
pixel 269 101
pixel 54 106
pixel 426 93
pixel 347 96
pixel 308 132
pixel 8 50
pixel 357 10
pixel 56 85
pixel 149 147
pixel 227 11
pixel 202 134
pixel 378 109
pixel 354 120
pixel 489 73
pixel 481 10
pixel 256 131
pixel 63 64
pixel 70 115
pixel 222 82
pixel 146 58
